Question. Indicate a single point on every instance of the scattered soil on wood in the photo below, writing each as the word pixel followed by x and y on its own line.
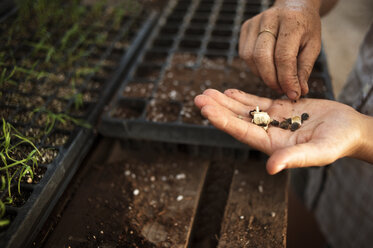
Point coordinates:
pixel 256 213
pixel 147 198
pixel 145 194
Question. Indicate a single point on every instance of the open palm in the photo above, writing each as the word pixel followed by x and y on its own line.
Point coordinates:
pixel 331 132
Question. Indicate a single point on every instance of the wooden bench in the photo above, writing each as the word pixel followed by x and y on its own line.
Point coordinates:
pixel 152 195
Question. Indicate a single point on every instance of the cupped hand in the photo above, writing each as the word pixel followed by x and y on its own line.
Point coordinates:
pixel 282 43
pixel 331 132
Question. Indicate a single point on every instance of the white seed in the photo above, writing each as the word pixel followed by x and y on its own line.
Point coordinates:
pixel 136 192
pixel 273 214
pixel 127 173
pixel 242 217
pixel 179 198
pixel 261 118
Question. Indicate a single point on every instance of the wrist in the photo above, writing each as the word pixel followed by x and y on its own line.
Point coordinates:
pixel 315 5
pixel 364 150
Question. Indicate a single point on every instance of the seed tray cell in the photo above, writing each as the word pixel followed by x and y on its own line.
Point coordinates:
pixel 28 102
pixel 201 53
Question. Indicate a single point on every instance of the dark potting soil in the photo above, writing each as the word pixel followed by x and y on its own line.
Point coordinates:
pixel 184 79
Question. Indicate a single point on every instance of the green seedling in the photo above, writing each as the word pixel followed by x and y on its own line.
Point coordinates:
pixel 6 77
pixel 10 145
pixel 3 222
pixel 78 100
pixel 69 35
pixel 53 118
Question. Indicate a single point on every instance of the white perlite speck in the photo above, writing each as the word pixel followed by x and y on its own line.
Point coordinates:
pixel 260 188
pixel 180 176
pixel 136 192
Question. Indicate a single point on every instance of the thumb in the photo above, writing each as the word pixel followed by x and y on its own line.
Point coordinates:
pixel 301 155
pixel 306 60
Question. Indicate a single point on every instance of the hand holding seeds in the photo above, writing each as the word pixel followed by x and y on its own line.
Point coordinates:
pixel 317 133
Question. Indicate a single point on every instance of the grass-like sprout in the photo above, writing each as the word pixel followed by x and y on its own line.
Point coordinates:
pixel 69 35
pixel 6 77
pixel 53 118
pixel 14 162
pixel 43 45
pixel 3 222
pixel 31 73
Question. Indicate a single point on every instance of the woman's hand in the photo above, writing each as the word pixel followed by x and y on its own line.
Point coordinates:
pixel 281 45
pixel 333 130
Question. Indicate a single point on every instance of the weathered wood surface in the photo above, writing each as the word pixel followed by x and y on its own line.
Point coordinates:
pixel 137 199
pixel 256 211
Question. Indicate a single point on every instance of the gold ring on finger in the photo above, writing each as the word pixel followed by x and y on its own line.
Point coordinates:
pixel 268 31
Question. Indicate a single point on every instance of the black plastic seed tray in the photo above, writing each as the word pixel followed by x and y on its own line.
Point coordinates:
pixel 192 48
pixel 66 144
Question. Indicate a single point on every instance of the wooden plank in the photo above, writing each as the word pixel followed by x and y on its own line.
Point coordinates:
pixel 143 198
pixel 256 211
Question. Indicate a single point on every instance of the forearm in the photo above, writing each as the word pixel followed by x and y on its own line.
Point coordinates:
pixel 364 150
pixel 323 6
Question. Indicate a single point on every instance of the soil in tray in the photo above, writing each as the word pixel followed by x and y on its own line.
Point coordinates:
pixel 182 83
pixel 144 198
pixel 183 80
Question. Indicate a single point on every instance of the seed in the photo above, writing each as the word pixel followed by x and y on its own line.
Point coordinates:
pixel 284 125
pixel 288 120
pixel 275 123
pixel 294 126
pixel 296 119
pixel 305 116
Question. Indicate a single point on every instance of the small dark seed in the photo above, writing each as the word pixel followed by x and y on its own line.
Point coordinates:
pixel 275 123
pixel 288 120
pixel 284 125
pixel 305 116
pixel 294 126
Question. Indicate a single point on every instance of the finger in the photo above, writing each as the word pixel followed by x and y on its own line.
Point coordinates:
pixel 286 52
pixel 229 103
pixel 264 52
pixel 306 60
pixel 249 32
pixel 301 155
pixel 242 130
pixel 203 100
pixel 249 99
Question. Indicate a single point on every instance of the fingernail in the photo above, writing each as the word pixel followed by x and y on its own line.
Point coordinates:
pixel 292 95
